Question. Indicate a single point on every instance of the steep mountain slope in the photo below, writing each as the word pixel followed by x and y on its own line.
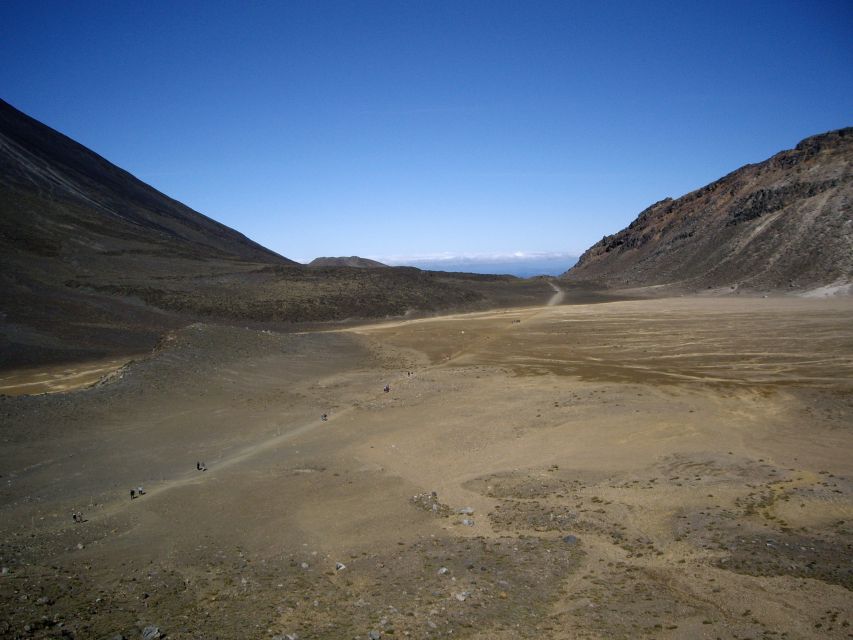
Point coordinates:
pixel 351 261
pixel 782 223
pixel 93 262
pixel 107 210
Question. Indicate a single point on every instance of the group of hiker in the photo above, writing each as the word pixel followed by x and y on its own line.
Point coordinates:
pixel 77 516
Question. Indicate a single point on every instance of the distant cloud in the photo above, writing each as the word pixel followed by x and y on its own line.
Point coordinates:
pixel 475 258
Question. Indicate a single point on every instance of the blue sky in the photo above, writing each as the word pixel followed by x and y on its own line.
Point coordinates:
pixel 421 128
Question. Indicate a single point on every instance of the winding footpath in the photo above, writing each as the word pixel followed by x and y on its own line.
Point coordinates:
pixel 558 296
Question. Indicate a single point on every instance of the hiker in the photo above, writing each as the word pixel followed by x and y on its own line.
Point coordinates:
pixel 324 417
pixel 198 466
pixel 140 490
pixel 132 494
pixel 387 388
pixel 74 516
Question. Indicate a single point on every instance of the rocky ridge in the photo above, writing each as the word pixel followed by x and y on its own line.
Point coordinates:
pixel 785 223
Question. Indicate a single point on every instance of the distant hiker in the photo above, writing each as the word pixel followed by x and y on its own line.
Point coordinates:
pixel 132 494
pixel 387 388
pixel 198 466
pixel 140 490
pixel 74 516
pixel 324 417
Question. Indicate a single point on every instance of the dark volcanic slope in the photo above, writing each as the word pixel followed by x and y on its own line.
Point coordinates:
pixel 98 208
pixel 71 222
pixel 782 223
pixel 351 261
pixel 94 262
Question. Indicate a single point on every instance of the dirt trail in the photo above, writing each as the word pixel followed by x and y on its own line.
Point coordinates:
pixel 635 470
pixel 558 296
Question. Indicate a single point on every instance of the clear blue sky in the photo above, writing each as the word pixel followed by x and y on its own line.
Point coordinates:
pixel 408 128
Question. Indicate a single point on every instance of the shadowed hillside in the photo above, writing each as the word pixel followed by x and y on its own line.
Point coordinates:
pixel 782 223
pixel 95 262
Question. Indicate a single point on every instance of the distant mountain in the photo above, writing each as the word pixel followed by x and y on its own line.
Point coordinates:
pixel 351 261
pixel 786 223
pixel 94 262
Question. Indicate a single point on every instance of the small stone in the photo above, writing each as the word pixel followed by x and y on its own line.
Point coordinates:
pixel 465 511
pixel 304 565
pixel 468 522
pixel 461 596
pixel 571 539
pixel 80 545
pixel 374 635
pixel 340 566
pixel 443 570
pixel 44 600
pixel 151 632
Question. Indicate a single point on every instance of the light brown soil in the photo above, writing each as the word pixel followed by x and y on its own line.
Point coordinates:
pixel 697 451
pixel 58 378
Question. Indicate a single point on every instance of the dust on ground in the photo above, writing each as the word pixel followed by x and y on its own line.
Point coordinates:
pixel 662 468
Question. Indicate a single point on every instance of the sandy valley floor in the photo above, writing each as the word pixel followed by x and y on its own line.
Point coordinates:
pixel 665 468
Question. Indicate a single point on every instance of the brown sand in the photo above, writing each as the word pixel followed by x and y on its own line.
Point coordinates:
pixel 697 450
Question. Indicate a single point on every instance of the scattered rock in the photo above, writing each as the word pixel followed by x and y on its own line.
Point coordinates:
pixel 374 635
pixel 571 539
pixel 468 522
pixel 443 571
pixel 151 632
pixel 340 566
pixel 462 596
pixel 465 511
pixel 430 502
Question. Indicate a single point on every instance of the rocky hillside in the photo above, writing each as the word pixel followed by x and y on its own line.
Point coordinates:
pixel 785 223
pixel 94 262
pixel 351 261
